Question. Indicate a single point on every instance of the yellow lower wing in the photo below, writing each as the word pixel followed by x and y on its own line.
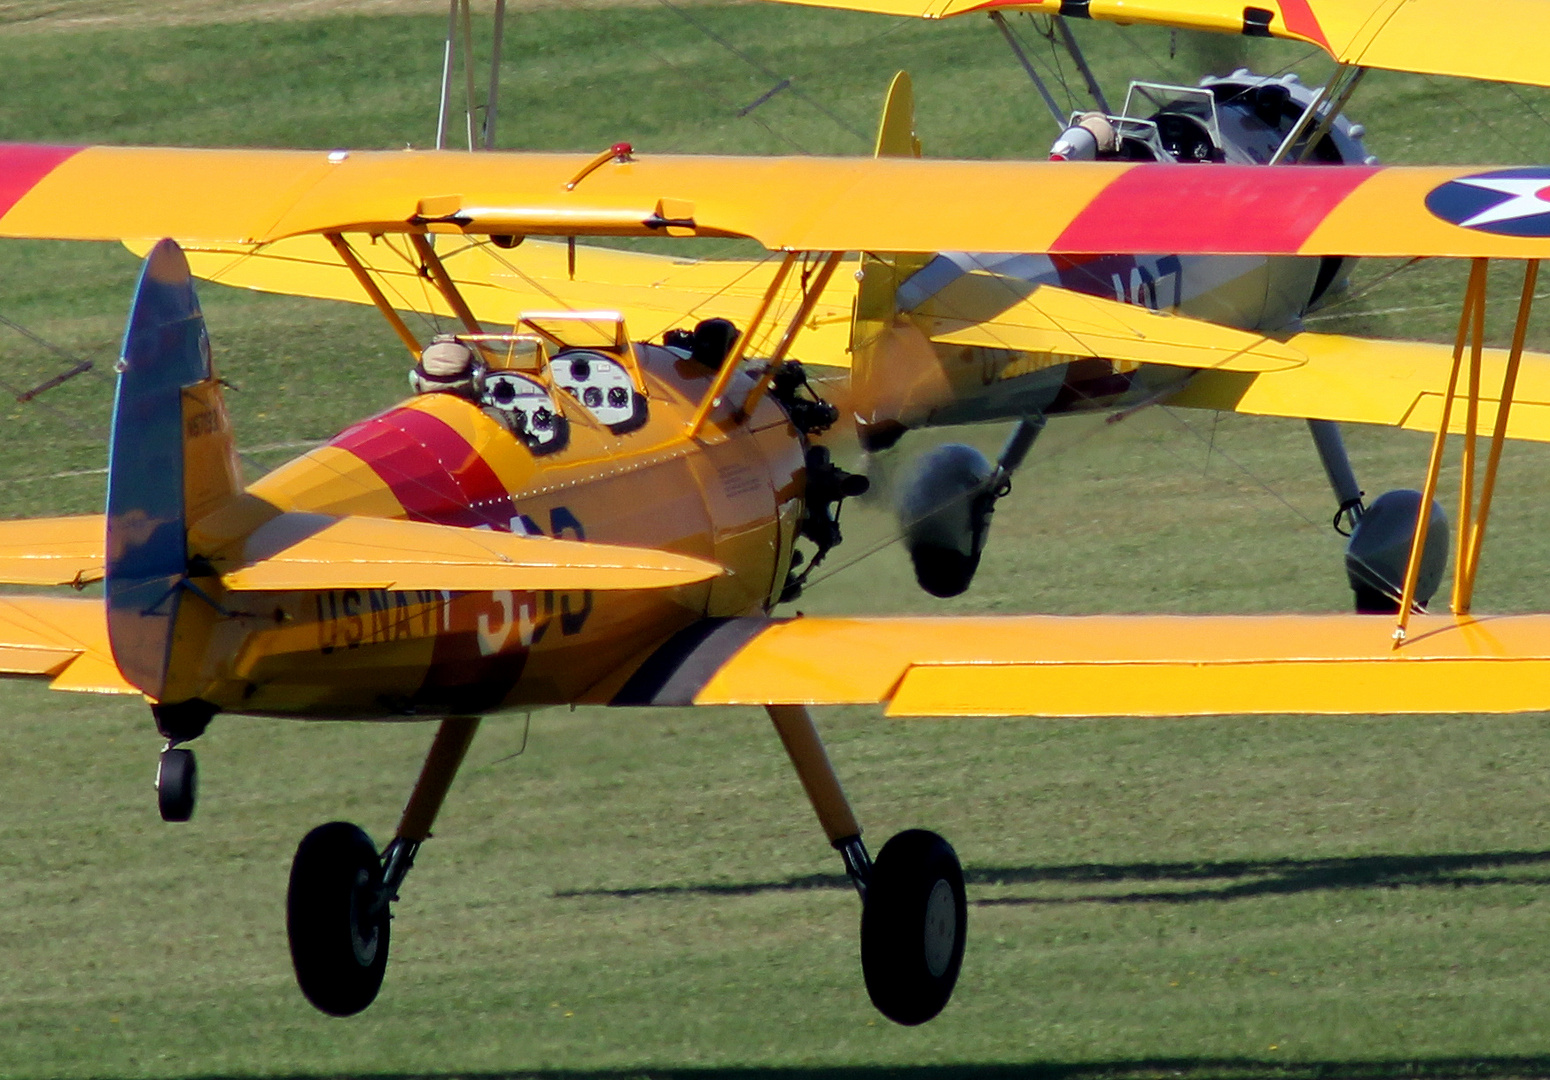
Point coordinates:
pixel 1071 666
pixel 63 638
pixel 1063 322
pixel 1398 383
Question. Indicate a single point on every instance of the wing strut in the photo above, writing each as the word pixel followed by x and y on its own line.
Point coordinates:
pixel 1469 554
pixel 1022 58
pixel 1471 325
pixel 1332 97
pixel 734 361
pixel 1472 515
pixel 460 38
pixel 812 290
pixel 350 259
pixel 432 265
pixel 1080 59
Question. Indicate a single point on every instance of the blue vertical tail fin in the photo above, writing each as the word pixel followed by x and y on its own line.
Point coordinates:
pixel 171 459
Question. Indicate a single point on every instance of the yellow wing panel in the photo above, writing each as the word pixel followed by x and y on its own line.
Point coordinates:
pixel 1500 41
pixel 308 551
pixel 52 551
pixel 808 203
pixel 654 293
pixel 63 637
pixel 1397 383
pixel 1070 666
pixel 1056 320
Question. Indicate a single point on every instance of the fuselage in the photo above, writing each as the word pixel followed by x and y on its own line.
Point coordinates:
pixel 903 379
pixel 732 495
pixel 1245 292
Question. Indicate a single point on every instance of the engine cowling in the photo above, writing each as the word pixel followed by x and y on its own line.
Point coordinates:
pixel 944 506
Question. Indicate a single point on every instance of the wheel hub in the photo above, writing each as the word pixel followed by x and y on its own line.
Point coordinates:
pixel 363 928
pixel 941 928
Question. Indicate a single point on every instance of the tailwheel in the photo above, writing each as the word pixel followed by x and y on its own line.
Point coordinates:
pixel 177 784
pixel 337 918
pixel 913 925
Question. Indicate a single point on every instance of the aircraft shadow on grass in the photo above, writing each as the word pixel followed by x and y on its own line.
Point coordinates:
pixel 1205 881
pixel 1188 1068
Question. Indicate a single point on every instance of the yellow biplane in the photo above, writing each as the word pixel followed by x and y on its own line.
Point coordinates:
pixel 563 513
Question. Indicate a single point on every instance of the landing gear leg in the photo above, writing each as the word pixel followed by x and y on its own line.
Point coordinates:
pixel 177 774
pixel 338 904
pixel 913 913
pixel 1337 467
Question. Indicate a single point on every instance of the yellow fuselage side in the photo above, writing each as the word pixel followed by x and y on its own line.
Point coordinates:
pixel 732 495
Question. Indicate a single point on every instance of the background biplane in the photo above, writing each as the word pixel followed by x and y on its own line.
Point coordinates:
pixel 966 336
pixel 461 554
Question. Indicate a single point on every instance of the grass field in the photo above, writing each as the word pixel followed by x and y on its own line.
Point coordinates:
pixel 645 894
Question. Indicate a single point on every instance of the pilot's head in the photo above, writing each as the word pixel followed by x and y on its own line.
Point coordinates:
pixel 446 366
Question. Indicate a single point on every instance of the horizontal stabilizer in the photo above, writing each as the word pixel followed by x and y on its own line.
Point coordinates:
pixel 1064 322
pixel 52 551
pixel 312 551
pixel 1136 665
pixel 1367 381
pixel 63 638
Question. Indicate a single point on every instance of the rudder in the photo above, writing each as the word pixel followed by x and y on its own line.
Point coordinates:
pixel 875 322
pixel 171 459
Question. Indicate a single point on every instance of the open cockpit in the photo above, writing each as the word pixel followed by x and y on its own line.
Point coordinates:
pixel 1242 118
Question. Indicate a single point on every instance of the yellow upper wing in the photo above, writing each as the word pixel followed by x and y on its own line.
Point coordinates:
pixel 806 204
pixel 1501 40
pixel 1158 665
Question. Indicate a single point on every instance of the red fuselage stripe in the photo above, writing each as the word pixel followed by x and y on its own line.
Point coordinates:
pixel 431 469
pixel 1210 209
pixel 22 165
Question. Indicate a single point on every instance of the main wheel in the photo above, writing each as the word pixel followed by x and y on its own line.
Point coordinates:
pixel 177 784
pixel 337 927
pixel 913 927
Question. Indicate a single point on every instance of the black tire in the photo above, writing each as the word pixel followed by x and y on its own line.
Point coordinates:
pixel 177 784
pixel 913 927
pixel 338 946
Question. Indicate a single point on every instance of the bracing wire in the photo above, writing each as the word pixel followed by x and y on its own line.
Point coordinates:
pixel 796 91
pixel 608 26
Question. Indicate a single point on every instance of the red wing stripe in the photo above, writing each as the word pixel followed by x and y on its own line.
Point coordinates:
pixel 1210 209
pixel 22 165
pixel 432 470
pixel 1299 19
